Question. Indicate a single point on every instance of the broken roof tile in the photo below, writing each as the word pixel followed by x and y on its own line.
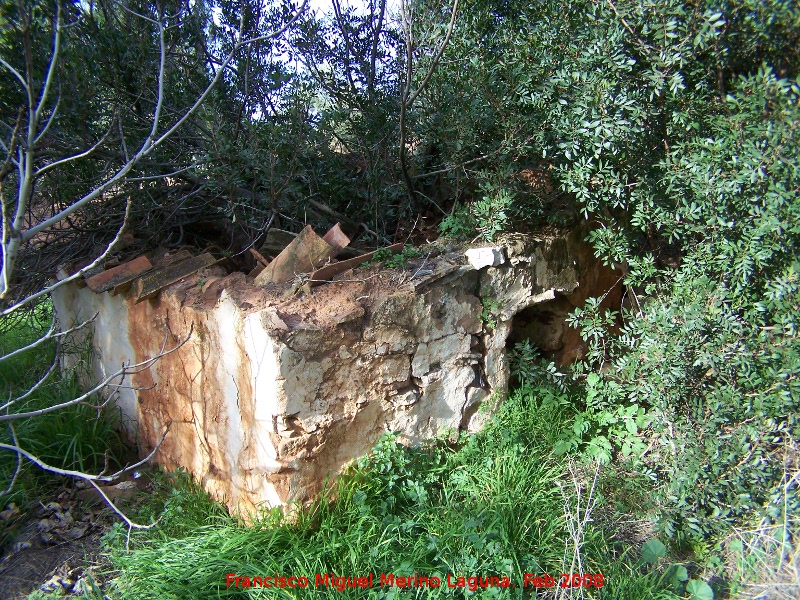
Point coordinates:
pixel 320 276
pixel 148 286
pixel 119 275
pixel 306 252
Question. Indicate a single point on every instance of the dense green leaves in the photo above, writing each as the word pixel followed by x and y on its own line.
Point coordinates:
pixel 674 127
pixel 709 350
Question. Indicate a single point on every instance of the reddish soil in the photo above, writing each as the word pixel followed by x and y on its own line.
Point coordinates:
pixel 324 306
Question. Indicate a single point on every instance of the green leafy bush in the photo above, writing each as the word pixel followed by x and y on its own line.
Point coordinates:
pixel 675 126
pixel 704 371
pixel 394 261
pixel 458 225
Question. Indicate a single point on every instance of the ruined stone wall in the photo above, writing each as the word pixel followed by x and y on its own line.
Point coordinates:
pixel 272 394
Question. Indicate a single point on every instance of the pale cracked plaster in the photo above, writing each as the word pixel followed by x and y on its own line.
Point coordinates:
pixel 110 346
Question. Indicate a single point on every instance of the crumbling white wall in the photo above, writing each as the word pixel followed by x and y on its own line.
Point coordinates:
pixel 264 401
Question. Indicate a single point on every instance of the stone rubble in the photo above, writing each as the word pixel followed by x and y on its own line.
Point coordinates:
pixel 485 257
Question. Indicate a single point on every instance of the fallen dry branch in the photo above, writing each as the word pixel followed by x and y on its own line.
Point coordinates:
pixel 47 336
pixel 131 525
pixel 80 474
pixel 121 373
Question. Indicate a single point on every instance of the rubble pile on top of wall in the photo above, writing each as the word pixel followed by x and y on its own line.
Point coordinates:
pixel 276 388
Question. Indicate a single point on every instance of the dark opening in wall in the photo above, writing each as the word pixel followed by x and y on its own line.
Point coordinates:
pixel 544 326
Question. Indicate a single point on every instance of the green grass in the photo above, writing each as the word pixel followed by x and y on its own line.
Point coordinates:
pixel 490 507
pixel 74 438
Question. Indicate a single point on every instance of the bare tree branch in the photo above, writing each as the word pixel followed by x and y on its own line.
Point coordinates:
pixel 49 122
pixel 51 69
pixel 376 35
pixel 63 161
pixel 128 522
pixel 26 160
pixel 48 289
pixel 19 463
pixel 17 235
pixel 39 383
pixel 437 56
pixel 33 345
pixel 80 474
pixel 15 73
pixel 121 373
pixel 408 98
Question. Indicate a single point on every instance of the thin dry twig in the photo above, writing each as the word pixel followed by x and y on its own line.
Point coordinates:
pixel 121 373
pixel 47 336
pixel 39 383
pixel 19 463
pixel 577 519
pixel 131 525
pixel 80 474
pixel 14 233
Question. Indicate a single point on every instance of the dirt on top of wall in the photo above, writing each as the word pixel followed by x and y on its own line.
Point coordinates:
pixel 350 295
pixel 200 281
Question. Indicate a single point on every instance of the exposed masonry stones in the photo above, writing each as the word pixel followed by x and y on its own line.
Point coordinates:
pixel 269 396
